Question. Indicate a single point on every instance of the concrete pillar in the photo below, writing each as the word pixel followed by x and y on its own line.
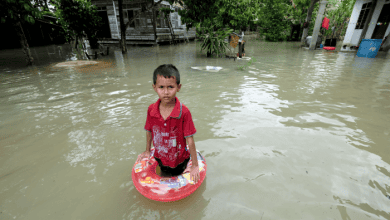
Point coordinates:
pixel 116 22
pixel 317 25
pixel 349 34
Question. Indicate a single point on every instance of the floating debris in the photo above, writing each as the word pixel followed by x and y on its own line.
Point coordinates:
pixel 244 58
pixel 208 68
pixel 75 63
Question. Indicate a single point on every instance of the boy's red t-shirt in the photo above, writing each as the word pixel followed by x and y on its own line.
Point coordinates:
pixel 169 135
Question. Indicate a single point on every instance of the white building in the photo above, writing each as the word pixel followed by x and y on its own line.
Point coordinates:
pixel 378 27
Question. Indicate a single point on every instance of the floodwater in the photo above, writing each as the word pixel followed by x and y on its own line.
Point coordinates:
pixel 296 135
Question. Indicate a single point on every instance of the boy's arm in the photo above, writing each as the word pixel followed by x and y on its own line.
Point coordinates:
pixel 191 145
pixel 194 169
pixel 148 140
pixel 148 145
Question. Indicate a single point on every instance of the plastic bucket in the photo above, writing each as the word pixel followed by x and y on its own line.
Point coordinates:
pixel 369 48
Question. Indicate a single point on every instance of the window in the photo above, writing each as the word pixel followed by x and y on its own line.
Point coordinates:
pixel 130 15
pixel 363 15
pixel 161 21
pixel 101 8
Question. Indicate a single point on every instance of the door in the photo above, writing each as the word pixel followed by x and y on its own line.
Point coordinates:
pixel 104 31
pixel 382 23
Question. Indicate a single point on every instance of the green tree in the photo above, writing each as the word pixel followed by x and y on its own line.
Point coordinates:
pixel 235 14
pixel 338 13
pixel 272 19
pixel 238 15
pixel 200 11
pixel 214 19
pixel 18 12
pixel 43 5
pixel 78 19
pixel 296 13
pixel 214 41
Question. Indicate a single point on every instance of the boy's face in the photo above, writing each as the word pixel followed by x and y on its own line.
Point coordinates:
pixel 166 89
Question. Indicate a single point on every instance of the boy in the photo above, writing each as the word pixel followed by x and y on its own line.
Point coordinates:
pixel 169 124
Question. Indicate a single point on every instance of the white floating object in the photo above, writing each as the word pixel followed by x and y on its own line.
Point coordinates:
pixel 196 68
pixel 75 63
pixel 244 58
pixel 218 68
pixel 208 68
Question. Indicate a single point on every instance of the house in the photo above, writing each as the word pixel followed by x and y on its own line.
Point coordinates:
pixel 141 30
pixel 378 27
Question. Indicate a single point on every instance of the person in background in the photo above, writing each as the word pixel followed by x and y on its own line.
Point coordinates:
pixel 241 44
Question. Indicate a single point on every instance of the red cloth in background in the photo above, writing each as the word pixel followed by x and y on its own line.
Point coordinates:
pixel 325 23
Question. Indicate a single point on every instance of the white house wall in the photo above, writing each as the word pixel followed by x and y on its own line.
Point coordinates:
pixel 352 35
pixel 387 31
pixel 113 25
pixel 356 36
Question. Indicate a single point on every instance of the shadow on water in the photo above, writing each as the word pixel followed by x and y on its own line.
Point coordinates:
pixel 191 207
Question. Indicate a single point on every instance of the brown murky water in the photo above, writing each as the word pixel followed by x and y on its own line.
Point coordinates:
pixel 297 135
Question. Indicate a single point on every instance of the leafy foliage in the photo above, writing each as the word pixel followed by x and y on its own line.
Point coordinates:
pixel 234 14
pixel 297 11
pixel 78 18
pixel 274 25
pixel 214 42
pixel 338 13
pixel 216 19
pixel 239 14
pixel 199 11
pixel 18 10
pixel 243 67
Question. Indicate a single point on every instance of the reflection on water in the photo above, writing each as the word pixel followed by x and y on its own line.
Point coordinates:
pixel 296 135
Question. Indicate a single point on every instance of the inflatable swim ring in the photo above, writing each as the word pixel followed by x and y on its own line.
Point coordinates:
pixel 329 48
pixel 167 189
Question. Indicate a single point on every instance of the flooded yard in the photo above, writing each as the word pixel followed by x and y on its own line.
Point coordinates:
pixel 296 135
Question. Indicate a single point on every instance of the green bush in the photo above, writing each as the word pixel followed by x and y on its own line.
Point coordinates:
pixel 213 41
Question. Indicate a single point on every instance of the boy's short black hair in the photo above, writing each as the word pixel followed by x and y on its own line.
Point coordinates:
pixel 167 71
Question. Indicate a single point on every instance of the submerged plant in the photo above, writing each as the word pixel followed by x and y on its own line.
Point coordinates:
pixel 214 41
pixel 247 64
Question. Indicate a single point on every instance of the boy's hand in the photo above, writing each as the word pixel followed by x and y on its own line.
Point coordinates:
pixel 194 173
pixel 142 156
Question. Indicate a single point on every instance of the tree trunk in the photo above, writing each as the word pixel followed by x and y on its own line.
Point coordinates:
pixel 308 19
pixel 154 23
pixel 23 42
pixel 123 27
